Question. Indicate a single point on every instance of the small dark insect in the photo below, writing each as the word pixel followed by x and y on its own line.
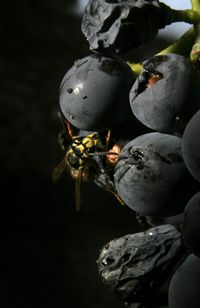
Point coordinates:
pixel 81 160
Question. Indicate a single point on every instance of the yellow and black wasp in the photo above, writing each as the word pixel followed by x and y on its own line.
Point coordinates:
pixel 87 159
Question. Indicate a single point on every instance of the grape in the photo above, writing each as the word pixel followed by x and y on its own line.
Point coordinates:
pixel 191 146
pixel 135 265
pixel 150 175
pixel 184 288
pixel 94 92
pixel 156 220
pixel 166 95
pixel 118 26
pixel 191 226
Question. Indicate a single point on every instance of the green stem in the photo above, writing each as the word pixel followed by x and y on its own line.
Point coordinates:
pixel 195 52
pixel 182 46
pixel 189 16
pixel 136 68
pixel 195 4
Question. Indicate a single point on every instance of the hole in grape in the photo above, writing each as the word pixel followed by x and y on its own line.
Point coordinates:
pixel 70 90
pixel 108 261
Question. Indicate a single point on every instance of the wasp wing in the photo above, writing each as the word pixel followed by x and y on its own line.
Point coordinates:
pixel 78 190
pixel 58 170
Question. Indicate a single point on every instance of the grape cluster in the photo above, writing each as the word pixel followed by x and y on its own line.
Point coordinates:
pixel 156 172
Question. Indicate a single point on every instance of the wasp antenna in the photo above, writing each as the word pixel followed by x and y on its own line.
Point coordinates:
pixel 112 153
pixel 102 153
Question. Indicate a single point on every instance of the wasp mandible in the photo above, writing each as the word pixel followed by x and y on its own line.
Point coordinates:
pixel 87 157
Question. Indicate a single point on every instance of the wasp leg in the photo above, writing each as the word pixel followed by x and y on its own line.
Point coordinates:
pixel 115 194
pixel 70 131
pixel 108 139
pixel 108 186
pixel 63 141
pixel 67 127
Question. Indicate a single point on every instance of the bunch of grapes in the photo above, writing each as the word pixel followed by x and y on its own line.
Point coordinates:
pixel 156 172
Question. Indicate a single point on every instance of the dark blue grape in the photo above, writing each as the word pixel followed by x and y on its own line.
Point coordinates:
pixel 184 288
pixel 151 177
pixel 156 220
pixel 166 93
pixel 118 26
pixel 191 225
pixel 191 146
pixel 94 92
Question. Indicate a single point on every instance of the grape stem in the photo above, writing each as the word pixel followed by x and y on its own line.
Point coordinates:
pixel 195 52
pixel 182 47
pixel 189 16
pixel 195 4
pixel 136 68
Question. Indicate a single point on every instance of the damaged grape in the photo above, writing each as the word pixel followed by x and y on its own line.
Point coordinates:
pixel 151 177
pixel 135 266
pixel 166 94
pixel 116 27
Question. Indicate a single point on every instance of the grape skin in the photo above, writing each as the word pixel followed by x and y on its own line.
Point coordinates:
pixel 151 177
pixel 116 27
pixel 162 106
pixel 184 288
pixel 134 266
pixel 94 93
pixel 191 146
pixel 191 227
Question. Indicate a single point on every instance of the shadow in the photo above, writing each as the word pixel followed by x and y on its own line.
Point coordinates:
pixel 48 251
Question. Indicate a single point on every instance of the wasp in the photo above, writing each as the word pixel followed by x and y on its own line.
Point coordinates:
pixel 88 159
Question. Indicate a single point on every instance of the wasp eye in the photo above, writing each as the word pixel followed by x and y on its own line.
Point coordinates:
pixel 73 160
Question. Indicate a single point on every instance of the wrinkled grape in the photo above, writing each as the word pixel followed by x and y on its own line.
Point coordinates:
pixel 118 26
pixel 135 265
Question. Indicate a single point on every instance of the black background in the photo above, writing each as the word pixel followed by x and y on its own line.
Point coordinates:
pixel 48 251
